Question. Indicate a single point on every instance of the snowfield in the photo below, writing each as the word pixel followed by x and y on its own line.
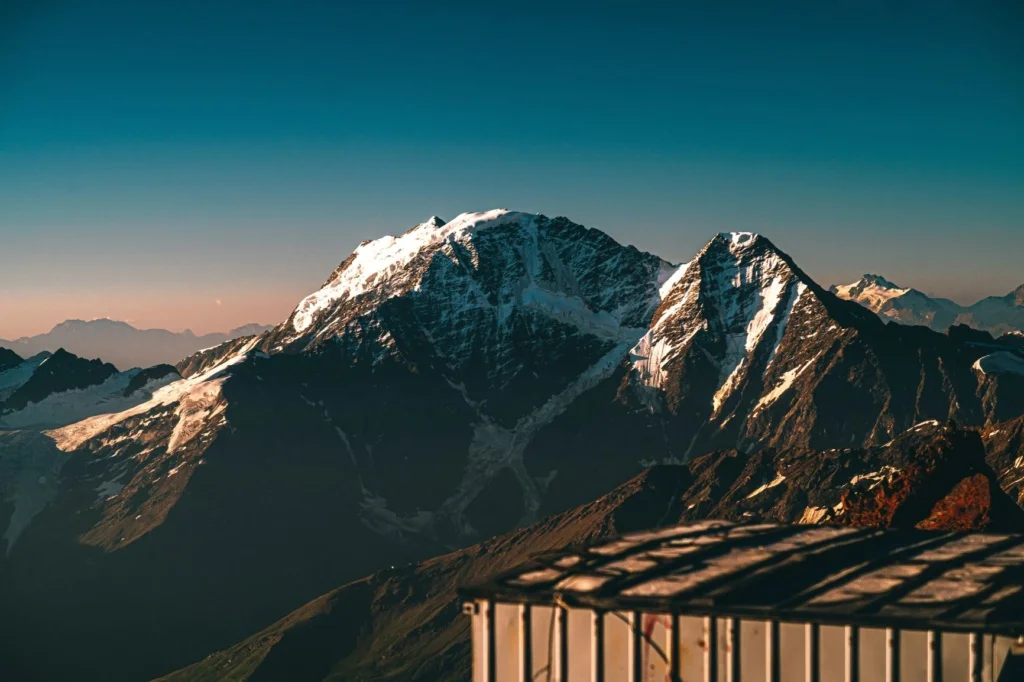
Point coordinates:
pixel 195 397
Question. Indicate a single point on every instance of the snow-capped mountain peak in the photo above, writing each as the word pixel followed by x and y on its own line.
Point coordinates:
pixel 499 260
pixel 1018 295
pixel 739 289
pixel 380 261
pixel 871 291
pixel 879 281
pixel 738 240
pixel 891 302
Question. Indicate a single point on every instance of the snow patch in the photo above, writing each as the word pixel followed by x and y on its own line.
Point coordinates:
pixel 75 405
pixel 779 478
pixel 784 321
pixel 108 489
pixel 875 478
pixel 788 378
pixel 494 447
pixel 194 396
pixel 572 310
pixel 739 346
pixel 1001 362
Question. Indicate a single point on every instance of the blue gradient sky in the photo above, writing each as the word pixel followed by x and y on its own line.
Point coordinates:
pixel 156 158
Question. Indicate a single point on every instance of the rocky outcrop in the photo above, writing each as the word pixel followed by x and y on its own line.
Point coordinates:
pixel 8 359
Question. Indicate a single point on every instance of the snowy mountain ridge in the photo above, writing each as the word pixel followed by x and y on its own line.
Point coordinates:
pixel 994 314
pixel 738 289
pixel 516 317
pixel 871 291
pixel 195 398
pixel 459 257
pixel 51 390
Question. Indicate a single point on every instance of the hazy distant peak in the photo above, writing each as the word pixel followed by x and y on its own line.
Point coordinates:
pixel 122 344
pixel 249 329
pixel 871 291
pixel 880 281
pixel 99 322
pixel 1018 295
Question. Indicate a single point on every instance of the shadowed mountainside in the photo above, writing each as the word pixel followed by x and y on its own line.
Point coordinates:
pixel 406 624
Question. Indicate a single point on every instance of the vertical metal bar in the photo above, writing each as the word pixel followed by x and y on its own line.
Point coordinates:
pixel 892 655
pixel 974 656
pixel 490 640
pixel 710 650
pixel 674 652
pixel 597 647
pixel 636 647
pixel 525 644
pixel 812 657
pixel 772 668
pixel 934 656
pixel 732 661
pixel 560 661
pixel 852 654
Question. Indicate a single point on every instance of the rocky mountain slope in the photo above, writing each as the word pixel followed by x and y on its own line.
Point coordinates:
pixel 8 359
pixel 406 623
pixel 1004 443
pixel 123 345
pixel 995 314
pixel 746 352
pixel 227 483
pixel 444 386
pixel 51 390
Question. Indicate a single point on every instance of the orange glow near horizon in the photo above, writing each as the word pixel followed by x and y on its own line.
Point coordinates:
pixel 219 311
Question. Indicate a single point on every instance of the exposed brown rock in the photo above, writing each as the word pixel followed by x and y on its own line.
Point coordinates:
pixel 967 507
pixel 949 487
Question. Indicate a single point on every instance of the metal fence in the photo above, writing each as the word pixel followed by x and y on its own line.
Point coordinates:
pixel 537 643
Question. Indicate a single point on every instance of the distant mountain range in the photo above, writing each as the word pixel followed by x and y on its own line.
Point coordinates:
pixel 995 314
pixel 454 383
pixel 121 344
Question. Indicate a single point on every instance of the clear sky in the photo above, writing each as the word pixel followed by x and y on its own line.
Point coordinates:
pixel 203 164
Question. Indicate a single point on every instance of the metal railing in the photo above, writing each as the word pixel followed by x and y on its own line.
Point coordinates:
pixel 557 669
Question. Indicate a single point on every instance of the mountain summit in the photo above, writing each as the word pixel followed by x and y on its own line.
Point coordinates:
pixel 484 269
pixel 733 300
